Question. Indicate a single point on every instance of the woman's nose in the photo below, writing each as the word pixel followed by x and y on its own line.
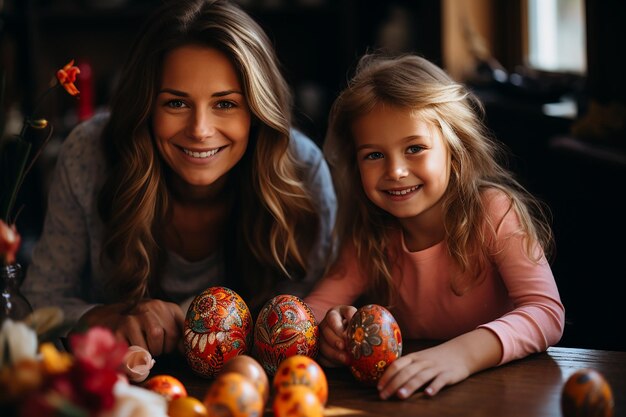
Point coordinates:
pixel 201 125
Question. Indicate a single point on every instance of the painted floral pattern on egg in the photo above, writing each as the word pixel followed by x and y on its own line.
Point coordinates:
pixel 218 326
pixel 285 327
pixel 374 341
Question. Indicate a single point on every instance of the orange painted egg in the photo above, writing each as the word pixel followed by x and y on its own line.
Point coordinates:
pixel 218 326
pixel 374 342
pixel 586 393
pixel 297 401
pixel 251 369
pixel 186 407
pixel 166 385
pixel 302 370
pixel 285 327
pixel 232 394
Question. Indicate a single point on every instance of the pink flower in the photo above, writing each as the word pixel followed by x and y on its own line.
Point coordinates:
pixel 137 363
pixel 98 348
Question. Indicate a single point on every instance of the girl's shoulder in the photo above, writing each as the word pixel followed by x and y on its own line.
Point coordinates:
pixel 500 211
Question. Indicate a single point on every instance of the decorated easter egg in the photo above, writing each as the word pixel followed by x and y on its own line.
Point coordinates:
pixel 232 394
pixel 374 341
pixel 218 326
pixel 297 400
pixel 302 370
pixel 586 393
pixel 251 369
pixel 166 385
pixel 186 407
pixel 284 327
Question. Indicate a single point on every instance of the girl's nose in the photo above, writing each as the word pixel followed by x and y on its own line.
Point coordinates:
pixel 201 125
pixel 397 169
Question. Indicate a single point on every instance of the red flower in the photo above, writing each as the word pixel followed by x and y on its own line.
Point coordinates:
pixel 67 77
pixel 9 242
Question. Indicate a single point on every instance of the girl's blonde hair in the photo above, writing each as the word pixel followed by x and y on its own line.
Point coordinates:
pixel 274 221
pixel 414 83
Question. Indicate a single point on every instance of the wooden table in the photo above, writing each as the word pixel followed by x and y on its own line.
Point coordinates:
pixel 526 388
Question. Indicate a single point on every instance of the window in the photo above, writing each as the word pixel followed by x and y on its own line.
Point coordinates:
pixel 556 35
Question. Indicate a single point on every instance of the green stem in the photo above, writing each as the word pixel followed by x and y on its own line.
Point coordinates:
pixel 22 149
pixel 22 153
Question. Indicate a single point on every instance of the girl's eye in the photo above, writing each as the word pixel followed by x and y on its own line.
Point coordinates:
pixel 415 149
pixel 225 105
pixel 175 104
pixel 374 155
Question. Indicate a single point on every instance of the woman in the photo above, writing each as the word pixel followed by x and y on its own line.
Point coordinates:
pixel 195 179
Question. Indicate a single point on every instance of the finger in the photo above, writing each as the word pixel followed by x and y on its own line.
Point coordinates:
pixel 437 384
pixel 332 336
pixel 130 330
pixel 347 312
pixel 173 328
pixel 405 381
pixel 154 333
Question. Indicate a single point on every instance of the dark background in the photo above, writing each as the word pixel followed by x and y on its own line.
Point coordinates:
pixel 582 179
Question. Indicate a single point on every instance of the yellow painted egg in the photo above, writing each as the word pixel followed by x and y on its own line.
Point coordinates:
pixel 374 342
pixel 284 327
pixel 297 401
pixel 302 370
pixel 586 393
pixel 186 407
pixel 251 369
pixel 232 394
pixel 166 385
pixel 218 326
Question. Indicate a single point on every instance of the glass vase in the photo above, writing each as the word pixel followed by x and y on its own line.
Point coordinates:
pixel 13 304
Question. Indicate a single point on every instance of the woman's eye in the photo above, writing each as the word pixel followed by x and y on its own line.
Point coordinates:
pixel 374 155
pixel 175 104
pixel 225 105
pixel 415 149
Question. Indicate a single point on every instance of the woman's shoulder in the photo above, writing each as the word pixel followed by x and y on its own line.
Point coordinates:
pixel 82 145
pixel 81 158
pixel 304 149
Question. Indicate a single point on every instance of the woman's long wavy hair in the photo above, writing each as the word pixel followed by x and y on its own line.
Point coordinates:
pixel 477 164
pixel 273 215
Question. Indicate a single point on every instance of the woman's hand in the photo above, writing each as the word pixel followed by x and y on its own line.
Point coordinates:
pixel 333 335
pixel 436 367
pixel 154 325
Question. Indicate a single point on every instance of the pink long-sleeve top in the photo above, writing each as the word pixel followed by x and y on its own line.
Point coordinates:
pixel 517 299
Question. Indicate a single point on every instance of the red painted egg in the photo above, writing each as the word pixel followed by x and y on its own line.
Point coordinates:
pixel 232 394
pixel 167 386
pixel 374 341
pixel 586 393
pixel 297 400
pixel 302 370
pixel 218 326
pixel 285 327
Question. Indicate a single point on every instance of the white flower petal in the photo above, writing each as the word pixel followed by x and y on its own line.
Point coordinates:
pixel 137 363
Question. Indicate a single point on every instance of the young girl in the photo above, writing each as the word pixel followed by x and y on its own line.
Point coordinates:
pixel 196 178
pixel 434 227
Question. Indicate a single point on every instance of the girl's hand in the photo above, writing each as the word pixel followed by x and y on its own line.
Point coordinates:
pixel 446 364
pixel 333 335
pixel 154 325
